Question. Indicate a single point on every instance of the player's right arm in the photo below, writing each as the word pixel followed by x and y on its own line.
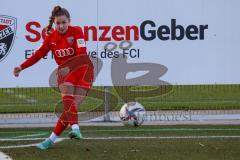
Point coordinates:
pixel 39 53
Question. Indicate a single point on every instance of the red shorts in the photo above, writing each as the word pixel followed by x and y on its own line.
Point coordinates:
pixel 81 77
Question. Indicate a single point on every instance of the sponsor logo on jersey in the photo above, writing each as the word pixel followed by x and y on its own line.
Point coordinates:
pixel 60 53
pixel 8 27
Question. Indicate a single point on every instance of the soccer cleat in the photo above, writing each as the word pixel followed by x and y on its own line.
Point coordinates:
pixel 75 134
pixel 45 144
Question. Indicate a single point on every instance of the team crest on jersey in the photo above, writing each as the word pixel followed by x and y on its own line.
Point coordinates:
pixel 8 27
pixel 70 40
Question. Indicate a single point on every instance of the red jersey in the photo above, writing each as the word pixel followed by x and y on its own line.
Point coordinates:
pixel 63 46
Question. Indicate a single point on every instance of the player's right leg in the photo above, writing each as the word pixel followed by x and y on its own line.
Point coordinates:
pixel 63 121
pixel 61 125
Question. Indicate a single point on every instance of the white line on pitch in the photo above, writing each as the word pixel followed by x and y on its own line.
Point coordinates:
pixel 30 135
pixel 26 145
pixel 119 137
pixel 3 156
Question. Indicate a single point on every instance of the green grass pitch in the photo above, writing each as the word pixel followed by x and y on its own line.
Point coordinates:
pixel 202 142
pixel 186 97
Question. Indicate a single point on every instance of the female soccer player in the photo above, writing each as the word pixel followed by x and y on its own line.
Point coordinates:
pixel 68 47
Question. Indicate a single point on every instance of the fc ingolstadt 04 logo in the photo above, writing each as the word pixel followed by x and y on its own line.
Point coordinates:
pixel 8 27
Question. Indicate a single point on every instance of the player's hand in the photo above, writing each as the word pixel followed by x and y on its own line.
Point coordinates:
pixel 17 71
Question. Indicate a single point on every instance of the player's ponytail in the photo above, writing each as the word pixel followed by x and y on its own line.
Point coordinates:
pixel 57 11
pixel 49 27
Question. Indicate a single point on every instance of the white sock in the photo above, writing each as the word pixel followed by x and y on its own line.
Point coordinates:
pixel 75 126
pixel 53 137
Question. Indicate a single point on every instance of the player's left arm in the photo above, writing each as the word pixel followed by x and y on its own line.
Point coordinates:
pixel 80 44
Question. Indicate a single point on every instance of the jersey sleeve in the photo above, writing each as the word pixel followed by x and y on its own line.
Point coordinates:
pixel 80 44
pixel 38 54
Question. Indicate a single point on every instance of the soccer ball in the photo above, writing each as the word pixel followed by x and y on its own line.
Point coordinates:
pixel 132 114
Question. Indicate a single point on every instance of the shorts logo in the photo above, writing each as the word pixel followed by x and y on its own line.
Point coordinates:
pixel 64 52
pixel 8 27
pixel 81 43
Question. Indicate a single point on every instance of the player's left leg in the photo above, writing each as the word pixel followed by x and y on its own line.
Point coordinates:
pixel 79 96
pixel 83 78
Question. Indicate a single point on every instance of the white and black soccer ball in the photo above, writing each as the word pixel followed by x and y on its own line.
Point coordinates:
pixel 132 114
